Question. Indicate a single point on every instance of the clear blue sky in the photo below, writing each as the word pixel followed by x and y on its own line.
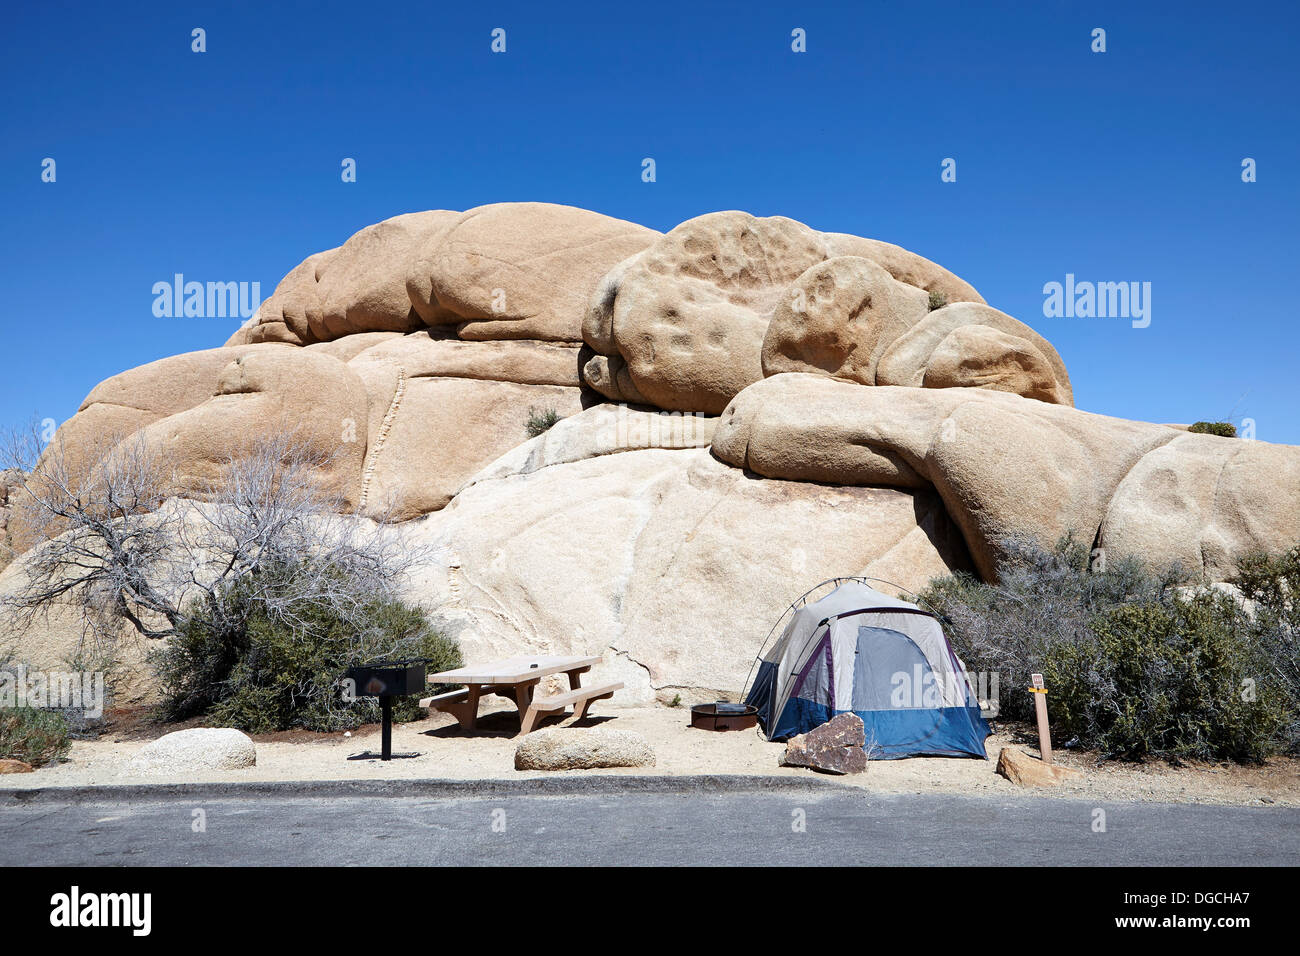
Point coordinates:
pixel 1122 166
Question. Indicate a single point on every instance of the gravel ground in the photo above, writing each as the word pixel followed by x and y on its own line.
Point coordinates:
pixel 488 753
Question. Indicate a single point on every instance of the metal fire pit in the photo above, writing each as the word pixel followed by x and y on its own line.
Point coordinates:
pixel 723 716
pixel 386 680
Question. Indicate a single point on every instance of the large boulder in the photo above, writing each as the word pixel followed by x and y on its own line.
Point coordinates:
pixel 801 412
pixel 1007 465
pixel 520 270
pixel 969 344
pixel 363 286
pixel 839 317
pixel 1203 501
pixel 358 287
pixel 681 325
pixel 283 317
pixel 317 400
pixel 583 748
pixel 123 404
pixel 503 271
pixel 198 750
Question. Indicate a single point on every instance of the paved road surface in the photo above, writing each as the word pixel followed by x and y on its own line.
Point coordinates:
pixel 839 827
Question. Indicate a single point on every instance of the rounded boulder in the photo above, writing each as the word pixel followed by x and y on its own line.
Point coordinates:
pixel 196 750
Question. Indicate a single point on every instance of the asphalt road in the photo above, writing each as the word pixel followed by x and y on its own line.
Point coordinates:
pixel 843 827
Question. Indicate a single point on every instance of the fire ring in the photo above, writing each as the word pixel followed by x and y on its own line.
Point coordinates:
pixel 723 716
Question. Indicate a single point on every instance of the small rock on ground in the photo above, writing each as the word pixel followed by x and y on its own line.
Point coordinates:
pixel 199 749
pixel 1026 771
pixel 835 747
pixel 15 766
pixel 582 748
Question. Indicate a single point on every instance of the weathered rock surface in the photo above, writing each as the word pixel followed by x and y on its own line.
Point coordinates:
pixel 669 563
pixel 283 318
pixel 834 747
pixel 1026 771
pixel 440 432
pixel 838 318
pixel 119 406
pixel 681 325
pixel 194 751
pixel 582 748
pixel 603 429
pixel 316 398
pixel 441 409
pixel 502 271
pixel 1204 502
pixel 15 766
pixel 362 288
pixel 1004 465
pixel 969 344
pixel 520 270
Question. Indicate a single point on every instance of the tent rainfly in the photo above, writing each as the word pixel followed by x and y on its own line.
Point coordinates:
pixel 857 650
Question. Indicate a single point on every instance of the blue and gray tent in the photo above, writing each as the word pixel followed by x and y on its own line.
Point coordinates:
pixel 860 651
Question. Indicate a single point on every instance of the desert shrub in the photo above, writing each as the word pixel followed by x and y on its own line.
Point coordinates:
pixel 34 736
pixel 1272 586
pixel 540 420
pixel 256 665
pixel 126 546
pixel 1164 678
pixel 1135 667
pixel 82 719
pixel 938 300
pixel 1042 599
pixel 1222 429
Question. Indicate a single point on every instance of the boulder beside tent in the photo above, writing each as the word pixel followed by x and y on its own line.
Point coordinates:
pixel 860 651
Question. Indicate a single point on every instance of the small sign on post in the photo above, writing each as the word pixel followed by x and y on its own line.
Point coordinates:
pixel 1040 708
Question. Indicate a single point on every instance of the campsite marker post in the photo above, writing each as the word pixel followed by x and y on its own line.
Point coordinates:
pixel 1040 707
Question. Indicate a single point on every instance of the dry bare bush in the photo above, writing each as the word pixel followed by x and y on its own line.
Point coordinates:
pixel 117 543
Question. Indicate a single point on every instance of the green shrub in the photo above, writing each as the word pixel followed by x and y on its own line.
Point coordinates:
pixel 938 300
pixel 540 421
pixel 1042 599
pixel 263 670
pixel 1164 679
pixel 34 736
pixel 1222 429
pixel 1134 666
pixel 1272 586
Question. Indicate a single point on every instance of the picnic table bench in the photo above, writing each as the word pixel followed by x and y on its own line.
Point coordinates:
pixel 517 678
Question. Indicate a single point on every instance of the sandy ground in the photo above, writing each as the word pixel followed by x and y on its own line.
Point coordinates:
pixel 448 753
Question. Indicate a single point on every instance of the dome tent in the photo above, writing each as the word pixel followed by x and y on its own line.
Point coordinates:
pixel 860 651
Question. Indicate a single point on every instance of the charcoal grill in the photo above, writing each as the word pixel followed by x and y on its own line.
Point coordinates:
pixel 386 680
pixel 724 716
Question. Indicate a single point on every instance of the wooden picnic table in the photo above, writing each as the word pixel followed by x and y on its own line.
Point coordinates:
pixel 517 678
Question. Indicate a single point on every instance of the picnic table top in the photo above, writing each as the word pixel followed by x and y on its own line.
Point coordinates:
pixel 512 670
